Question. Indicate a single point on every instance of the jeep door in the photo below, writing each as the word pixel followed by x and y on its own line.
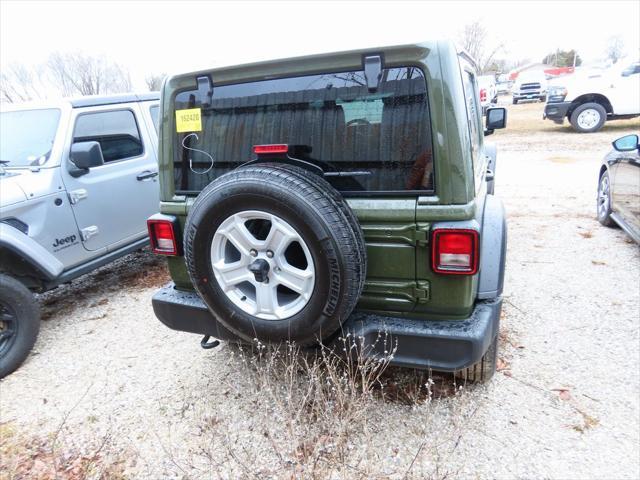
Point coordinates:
pixel 111 202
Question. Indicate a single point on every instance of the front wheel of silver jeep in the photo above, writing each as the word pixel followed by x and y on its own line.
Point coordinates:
pixel 19 323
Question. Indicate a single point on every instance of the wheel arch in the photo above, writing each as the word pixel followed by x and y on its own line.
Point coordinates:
pixel 493 249
pixel 603 168
pixel 590 98
pixel 25 259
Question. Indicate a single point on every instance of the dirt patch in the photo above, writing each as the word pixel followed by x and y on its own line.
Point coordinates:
pixel 139 270
pixel 561 159
pixel 45 458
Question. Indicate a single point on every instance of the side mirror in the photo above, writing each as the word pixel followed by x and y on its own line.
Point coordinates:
pixel 85 155
pixel 628 143
pixel 496 118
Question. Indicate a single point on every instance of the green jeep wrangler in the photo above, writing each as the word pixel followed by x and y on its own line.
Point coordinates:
pixel 344 192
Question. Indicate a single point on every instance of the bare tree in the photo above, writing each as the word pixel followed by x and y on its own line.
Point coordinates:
pixel 154 81
pixel 615 48
pixel 80 74
pixel 474 40
pixel 19 83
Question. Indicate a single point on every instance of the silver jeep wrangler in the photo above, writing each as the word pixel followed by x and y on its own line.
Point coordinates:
pixel 78 179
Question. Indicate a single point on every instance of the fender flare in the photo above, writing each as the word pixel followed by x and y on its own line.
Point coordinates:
pixel 28 249
pixel 493 249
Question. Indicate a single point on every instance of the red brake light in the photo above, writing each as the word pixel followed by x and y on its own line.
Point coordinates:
pixel 266 149
pixel 483 94
pixel 455 251
pixel 162 236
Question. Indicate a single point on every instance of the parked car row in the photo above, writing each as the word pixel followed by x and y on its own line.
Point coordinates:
pixel 283 216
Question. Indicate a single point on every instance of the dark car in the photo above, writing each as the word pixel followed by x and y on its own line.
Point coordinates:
pixel 619 187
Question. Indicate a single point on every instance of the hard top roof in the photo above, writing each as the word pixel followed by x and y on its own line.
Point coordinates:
pixel 95 100
pixel 77 102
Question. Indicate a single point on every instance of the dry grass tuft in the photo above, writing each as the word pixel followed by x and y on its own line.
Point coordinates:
pixel 320 414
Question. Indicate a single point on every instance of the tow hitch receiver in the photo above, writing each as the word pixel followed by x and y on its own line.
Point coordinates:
pixel 206 344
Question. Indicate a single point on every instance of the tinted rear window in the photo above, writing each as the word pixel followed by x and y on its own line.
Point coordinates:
pixel 382 138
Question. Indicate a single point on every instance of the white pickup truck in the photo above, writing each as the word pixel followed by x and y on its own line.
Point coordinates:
pixel 590 99
pixel 488 91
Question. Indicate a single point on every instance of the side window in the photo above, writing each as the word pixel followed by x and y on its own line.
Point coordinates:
pixel 474 119
pixel 116 132
pixel 154 111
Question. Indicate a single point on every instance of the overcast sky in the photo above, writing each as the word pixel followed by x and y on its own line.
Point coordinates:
pixel 173 36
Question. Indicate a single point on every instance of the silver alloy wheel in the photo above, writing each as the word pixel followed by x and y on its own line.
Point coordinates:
pixel 588 118
pixel 603 197
pixel 282 275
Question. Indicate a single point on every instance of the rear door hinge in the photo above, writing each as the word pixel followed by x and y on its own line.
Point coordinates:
pixel 422 235
pixel 76 195
pixel 87 233
pixel 421 292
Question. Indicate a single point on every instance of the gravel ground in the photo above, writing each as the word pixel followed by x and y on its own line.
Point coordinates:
pixel 110 391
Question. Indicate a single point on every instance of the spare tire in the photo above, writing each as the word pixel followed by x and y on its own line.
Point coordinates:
pixel 274 254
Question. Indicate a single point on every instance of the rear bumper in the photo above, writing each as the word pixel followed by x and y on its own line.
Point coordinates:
pixel 442 345
pixel 556 111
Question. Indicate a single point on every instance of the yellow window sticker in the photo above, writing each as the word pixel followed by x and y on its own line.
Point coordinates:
pixel 188 120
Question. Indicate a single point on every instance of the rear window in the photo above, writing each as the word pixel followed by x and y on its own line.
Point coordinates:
pixel 377 141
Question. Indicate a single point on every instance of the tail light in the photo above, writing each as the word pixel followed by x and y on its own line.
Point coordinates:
pixel 268 149
pixel 455 251
pixel 483 94
pixel 163 235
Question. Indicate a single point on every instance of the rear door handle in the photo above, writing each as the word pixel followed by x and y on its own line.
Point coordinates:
pixel 147 174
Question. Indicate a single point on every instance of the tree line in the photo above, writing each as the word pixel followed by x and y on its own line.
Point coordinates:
pixel 68 74
pixel 78 74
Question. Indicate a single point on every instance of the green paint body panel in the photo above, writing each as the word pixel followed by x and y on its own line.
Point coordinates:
pixel 400 280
